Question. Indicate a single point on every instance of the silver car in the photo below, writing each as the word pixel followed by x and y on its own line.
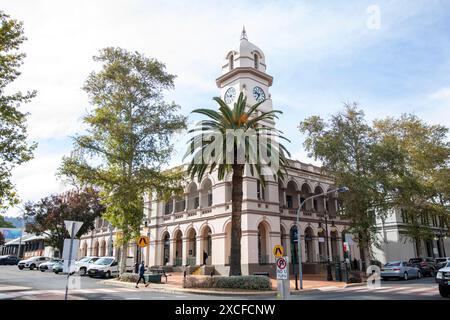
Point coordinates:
pixel 400 270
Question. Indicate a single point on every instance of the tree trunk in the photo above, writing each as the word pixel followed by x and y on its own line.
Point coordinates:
pixel 123 260
pixel 236 199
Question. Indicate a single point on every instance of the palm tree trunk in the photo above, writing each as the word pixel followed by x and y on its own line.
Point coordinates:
pixel 123 260
pixel 236 199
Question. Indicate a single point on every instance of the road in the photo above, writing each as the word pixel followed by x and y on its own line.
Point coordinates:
pixel 36 285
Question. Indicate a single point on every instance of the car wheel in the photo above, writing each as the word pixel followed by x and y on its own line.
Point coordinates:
pixel 56 271
pixel 108 275
pixel 444 291
pixel 419 275
pixel 32 267
pixel 42 270
pixel 20 267
pixel 405 276
pixel 82 271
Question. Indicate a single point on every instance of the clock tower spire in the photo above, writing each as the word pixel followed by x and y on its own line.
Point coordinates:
pixel 244 70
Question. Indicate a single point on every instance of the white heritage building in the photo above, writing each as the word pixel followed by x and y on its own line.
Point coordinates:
pixel 182 230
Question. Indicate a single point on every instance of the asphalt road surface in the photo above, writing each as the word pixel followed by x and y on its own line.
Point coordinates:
pixel 36 285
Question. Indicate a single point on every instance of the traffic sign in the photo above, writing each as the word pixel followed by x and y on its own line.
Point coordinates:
pixel 278 251
pixel 142 241
pixel 73 226
pixel 282 270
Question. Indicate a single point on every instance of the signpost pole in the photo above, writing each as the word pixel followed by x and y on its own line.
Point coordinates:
pixel 72 235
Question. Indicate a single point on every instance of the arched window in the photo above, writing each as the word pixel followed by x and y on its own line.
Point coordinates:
pixel 231 62
pixel 256 60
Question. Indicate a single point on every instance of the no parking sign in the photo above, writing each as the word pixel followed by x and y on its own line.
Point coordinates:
pixel 282 269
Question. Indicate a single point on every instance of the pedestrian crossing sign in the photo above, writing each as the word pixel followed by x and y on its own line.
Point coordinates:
pixel 142 241
pixel 278 251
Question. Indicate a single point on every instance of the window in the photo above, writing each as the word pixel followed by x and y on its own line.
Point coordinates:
pixel 196 202
pixel 210 199
pixel 168 207
pixel 231 62
pixel 404 215
pixel 260 191
pixel 289 201
pixel 315 204
pixel 256 60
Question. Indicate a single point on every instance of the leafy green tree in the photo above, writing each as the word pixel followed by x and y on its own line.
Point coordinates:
pixel 346 147
pixel 418 171
pixel 14 149
pixel 208 154
pixel 128 137
pixel 48 214
pixel 4 223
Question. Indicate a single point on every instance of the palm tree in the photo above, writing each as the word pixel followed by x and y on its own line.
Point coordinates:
pixel 236 153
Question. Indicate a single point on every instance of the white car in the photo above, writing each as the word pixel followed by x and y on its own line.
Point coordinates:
pixel 32 263
pixel 108 267
pixel 82 265
pixel 443 279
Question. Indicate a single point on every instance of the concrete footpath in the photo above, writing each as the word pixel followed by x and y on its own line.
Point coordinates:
pixel 175 285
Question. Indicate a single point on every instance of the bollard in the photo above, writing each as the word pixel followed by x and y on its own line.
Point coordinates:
pixel 212 273
pixel 296 283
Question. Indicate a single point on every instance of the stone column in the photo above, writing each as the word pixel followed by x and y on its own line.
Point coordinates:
pixel 173 249
pixel 283 201
pixel 315 241
pixel 186 201
pixel 217 250
pixel 184 250
pixel 199 251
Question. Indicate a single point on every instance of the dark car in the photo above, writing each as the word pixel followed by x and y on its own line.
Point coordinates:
pixel 427 266
pixel 9 260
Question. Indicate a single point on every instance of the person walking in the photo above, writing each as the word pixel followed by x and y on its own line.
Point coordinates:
pixel 141 275
pixel 205 257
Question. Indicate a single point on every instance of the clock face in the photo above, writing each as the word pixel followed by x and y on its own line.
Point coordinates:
pixel 230 94
pixel 259 94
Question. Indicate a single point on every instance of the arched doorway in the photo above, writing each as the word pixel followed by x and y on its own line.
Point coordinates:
pixel 206 246
pixel 192 247
pixel 309 245
pixel 178 248
pixel 166 248
pixel 263 238
pixel 294 244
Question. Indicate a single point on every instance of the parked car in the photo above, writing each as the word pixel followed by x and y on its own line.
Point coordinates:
pixel 9 260
pixel 82 264
pixel 400 270
pixel 58 266
pixel 108 267
pixel 48 266
pixel 32 263
pixel 443 279
pixel 426 265
pixel 442 262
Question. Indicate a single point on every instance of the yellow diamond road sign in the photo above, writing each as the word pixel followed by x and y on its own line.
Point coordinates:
pixel 142 241
pixel 278 251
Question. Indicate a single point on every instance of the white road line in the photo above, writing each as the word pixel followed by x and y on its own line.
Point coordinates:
pixel 104 290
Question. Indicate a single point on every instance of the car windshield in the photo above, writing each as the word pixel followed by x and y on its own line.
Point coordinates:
pixel 104 261
pixel 392 264
pixel 441 259
pixel 85 259
pixel 415 260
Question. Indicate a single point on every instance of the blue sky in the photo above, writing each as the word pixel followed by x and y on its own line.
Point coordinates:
pixel 320 53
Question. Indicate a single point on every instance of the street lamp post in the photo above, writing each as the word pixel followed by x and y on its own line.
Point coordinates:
pixel 341 189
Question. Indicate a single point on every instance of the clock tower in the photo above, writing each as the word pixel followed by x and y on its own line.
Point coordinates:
pixel 244 70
